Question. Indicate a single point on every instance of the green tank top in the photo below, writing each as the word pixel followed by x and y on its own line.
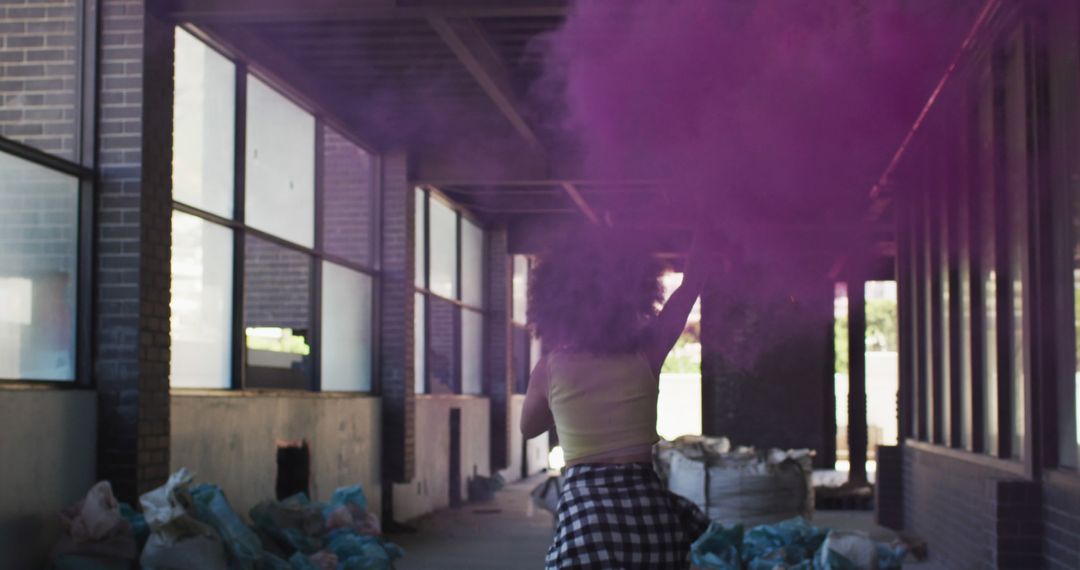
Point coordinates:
pixel 601 403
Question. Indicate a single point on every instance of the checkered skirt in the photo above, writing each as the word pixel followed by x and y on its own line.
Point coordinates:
pixel 622 516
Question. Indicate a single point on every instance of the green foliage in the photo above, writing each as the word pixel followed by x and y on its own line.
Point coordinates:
pixel 881 332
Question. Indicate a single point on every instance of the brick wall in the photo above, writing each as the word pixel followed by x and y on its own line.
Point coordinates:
pixel 498 382
pixel 443 368
pixel 277 286
pixel 131 340
pixel 972 514
pixel 889 487
pixel 39 74
pixel 396 319
pixel 1061 522
pixel 348 198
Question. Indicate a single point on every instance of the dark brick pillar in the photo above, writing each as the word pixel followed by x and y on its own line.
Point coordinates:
pixel 497 344
pixel 131 349
pixel 396 319
pixel 889 487
pixel 857 436
pixel 1018 524
pixel 766 353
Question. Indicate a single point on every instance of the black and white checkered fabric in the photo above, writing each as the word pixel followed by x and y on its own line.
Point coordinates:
pixel 622 517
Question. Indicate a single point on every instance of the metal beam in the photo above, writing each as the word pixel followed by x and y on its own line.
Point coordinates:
pixel 465 38
pixel 293 11
pixel 579 200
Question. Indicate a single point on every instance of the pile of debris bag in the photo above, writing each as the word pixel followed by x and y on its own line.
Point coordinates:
pixel 183 526
pixel 792 545
pixel 738 486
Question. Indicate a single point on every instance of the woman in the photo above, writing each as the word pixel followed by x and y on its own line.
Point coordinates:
pixel 593 303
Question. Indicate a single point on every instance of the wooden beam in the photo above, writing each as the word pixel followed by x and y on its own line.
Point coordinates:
pixel 293 11
pixel 582 205
pixel 465 38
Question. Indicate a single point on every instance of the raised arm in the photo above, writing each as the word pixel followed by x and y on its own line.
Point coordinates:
pixel 536 415
pixel 670 323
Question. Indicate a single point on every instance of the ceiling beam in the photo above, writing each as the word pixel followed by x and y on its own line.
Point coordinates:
pixel 293 11
pixel 580 202
pixel 465 38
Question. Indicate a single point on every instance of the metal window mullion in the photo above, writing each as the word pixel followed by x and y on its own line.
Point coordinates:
pixel 315 286
pixel 84 307
pixel 239 341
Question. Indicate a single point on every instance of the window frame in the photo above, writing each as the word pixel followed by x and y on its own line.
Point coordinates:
pixel 83 168
pixel 427 192
pixel 316 254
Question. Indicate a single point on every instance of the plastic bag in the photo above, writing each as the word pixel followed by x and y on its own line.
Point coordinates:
pixel 295 524
pixel 317 561
pixel 177 539
pixel 348 509
pixel 363 552
pixel 273 562
pixel 718 548
pixel 788 542
pixel 212 508
pixel 137 522
pixel 94 527
pixel 546 494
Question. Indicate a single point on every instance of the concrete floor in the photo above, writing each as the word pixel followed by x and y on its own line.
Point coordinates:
pixel 495 536
pixel 501 535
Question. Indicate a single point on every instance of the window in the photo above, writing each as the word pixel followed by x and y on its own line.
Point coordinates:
pixel 472 351
pixel 442 368
pixel 449 317
pixel 346 334
pixel 204 114
pixel 472 264
pixel 280 165
pixel 524 349
pixel 201 308
pixel 277 315
pixel 289 276
pixel 443 245
pixel 41 70
pixel 39 250
pixel 420 239
pixel 1016 200
pixel 986 220
pixel 420 344
pixel 348 194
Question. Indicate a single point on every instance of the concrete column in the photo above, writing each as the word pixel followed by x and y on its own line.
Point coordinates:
pixel 396 296
pixel 766 357
pixel 132 257
pixel 857 437
pixel 497 328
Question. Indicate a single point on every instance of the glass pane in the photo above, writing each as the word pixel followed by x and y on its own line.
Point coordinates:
pixel 39 249
pixel 280 165
pixel 39 92
pixel 203 126
pixel 520 365
pixel 345 337
pixel 987 251
pixel 348 199
pixel 520 288
pixel 963 328
pixel 277 315
pixel 420 248
pixel 443 244
pixel 419 346
pixel 943 376
pixel 472 264
pixel 472 352
pixel 535 352
pixel 442 353
pixel 201 304
pixel 1016 175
